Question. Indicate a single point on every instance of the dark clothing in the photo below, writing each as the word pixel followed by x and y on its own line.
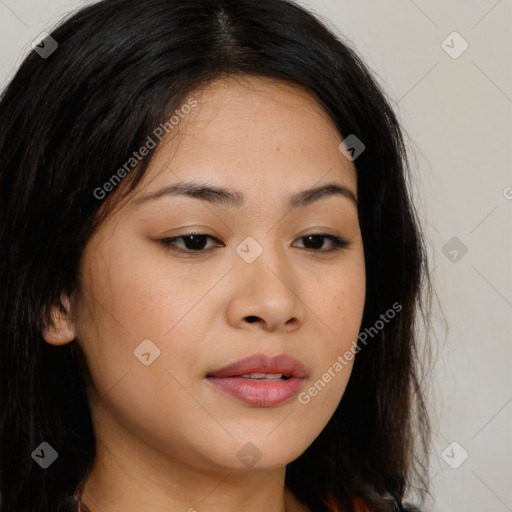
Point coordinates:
pixel 406 508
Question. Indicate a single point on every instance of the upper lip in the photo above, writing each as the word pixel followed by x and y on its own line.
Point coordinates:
pixel 260 363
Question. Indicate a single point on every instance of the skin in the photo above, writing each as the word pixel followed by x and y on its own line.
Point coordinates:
pixel 166 438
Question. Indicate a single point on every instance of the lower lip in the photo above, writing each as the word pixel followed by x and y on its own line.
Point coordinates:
pixel 259 392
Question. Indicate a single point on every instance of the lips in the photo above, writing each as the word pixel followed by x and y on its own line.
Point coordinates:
pixel 261 381
pixel 259 363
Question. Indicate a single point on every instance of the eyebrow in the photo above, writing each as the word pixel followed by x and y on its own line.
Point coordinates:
pixel 235 199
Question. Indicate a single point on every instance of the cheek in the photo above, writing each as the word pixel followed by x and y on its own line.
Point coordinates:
pixel 129 299
pixel 337 303
pixel 338 306
pixel 339 313
pixel 143 295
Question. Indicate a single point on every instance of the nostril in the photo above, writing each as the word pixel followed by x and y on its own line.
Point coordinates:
pixel 252 319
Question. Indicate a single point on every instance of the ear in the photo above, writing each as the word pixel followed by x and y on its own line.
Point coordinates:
pixel 62 330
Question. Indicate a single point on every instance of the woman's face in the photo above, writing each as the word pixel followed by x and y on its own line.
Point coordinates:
pixel 155 321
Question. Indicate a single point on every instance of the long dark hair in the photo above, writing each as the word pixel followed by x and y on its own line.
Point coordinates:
pixel 71 118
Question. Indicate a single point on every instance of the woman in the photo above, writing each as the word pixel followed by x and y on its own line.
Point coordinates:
pixel 272 366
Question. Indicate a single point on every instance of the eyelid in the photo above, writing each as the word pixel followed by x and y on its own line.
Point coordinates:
pixel 168 242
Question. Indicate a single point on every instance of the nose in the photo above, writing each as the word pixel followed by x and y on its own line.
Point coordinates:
pixel 266 294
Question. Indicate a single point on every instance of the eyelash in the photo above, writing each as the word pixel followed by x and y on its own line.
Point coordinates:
pixel 338 242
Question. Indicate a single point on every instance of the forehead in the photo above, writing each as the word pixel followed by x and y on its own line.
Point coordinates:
pixel 252 133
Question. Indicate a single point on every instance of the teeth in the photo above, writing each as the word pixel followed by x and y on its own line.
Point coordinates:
pixel 262 376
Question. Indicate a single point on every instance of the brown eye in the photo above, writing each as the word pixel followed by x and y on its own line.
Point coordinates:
pixel 315 242
pixel 194 242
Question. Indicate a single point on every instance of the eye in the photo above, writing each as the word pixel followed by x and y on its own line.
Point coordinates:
pixel 195 243
pixel 317 240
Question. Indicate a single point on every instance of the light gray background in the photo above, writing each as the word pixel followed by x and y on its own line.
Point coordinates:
pixel 457 113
